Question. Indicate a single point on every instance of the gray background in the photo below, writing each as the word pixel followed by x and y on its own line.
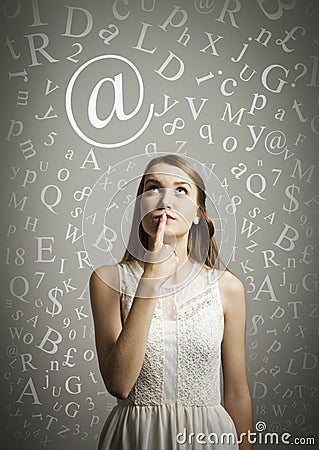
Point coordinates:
pixel 42 299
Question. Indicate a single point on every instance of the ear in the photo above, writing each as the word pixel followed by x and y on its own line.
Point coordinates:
pixel 197 218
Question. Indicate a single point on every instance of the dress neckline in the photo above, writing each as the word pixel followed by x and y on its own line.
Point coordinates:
pixel 196 266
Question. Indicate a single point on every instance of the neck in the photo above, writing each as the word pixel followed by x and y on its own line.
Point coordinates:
pixel 181 250
pixel 185 263
pixel 180 246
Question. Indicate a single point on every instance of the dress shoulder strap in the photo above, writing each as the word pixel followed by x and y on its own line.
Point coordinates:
pixel 129 274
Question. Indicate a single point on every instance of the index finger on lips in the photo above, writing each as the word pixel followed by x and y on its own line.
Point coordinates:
pixel 160 229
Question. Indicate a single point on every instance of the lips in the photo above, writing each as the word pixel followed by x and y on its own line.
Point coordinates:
pixel 168 216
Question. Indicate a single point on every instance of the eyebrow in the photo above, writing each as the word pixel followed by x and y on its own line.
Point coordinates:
pixel 154 180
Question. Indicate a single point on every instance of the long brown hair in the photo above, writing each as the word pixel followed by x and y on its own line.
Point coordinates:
pixel 201 245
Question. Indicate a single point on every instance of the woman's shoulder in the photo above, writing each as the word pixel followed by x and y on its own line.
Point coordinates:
pixel 232 290
pixel 108 274
pixel 107 269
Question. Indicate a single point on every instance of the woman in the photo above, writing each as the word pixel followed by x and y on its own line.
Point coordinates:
pixel 166 319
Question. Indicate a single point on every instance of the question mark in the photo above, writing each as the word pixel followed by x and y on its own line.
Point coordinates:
pixel 304 71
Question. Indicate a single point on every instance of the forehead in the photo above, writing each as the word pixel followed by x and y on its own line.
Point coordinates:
pixel 164 172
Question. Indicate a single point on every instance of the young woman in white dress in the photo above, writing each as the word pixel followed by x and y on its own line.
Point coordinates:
pixel 160 356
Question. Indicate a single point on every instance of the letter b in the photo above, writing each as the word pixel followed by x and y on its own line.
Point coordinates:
pixel 290 240
pixel 54 347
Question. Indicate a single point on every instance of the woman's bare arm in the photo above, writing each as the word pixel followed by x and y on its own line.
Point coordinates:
pixel 237 398
pixel 120 350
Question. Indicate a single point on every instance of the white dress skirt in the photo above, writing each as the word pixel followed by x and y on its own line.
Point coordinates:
pixel 175 403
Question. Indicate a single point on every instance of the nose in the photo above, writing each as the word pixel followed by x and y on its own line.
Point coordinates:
pixel 166 198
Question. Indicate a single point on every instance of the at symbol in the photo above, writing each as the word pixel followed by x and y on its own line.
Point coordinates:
pixel 204 6
pixel 118 106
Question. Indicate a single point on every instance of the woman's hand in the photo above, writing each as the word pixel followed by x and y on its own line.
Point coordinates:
pixel 161 261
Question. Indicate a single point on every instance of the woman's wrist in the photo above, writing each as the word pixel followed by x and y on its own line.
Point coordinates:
pixel 148 286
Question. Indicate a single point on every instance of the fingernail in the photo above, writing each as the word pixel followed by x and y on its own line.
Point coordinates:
pixel 164 217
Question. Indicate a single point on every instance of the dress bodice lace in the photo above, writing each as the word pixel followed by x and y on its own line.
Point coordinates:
pixel 182 361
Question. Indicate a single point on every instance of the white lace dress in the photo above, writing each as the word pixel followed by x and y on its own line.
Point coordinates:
pixel 176 400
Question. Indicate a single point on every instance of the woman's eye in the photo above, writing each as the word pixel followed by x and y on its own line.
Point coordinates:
pixel 151 188
pixel 180 189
